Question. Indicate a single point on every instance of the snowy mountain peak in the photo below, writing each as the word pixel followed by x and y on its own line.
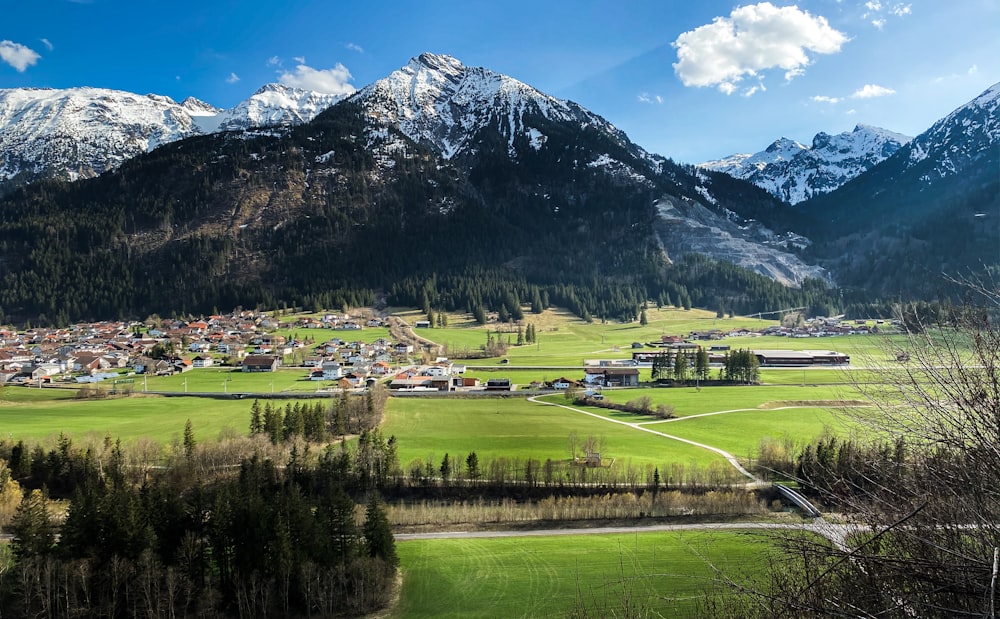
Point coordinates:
pixel 784 146
pixel 81 132
pixel 437 62
pixel 966 134
pixel 794 172
pixel 437 101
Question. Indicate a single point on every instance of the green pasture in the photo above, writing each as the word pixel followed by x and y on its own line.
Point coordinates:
pixel 30 417
pixel 516 428
pixel 564 339
pixel 230 380
pixel 692 401
pixel 668 573
pixel 740 433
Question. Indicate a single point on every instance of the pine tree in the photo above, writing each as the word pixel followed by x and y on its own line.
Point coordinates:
pixel 32 527
pixel 701 364
pixel 189 442
pixel 256 422
pixel 680 366
pixel 642 318
pixel 379 541
pixel 445 469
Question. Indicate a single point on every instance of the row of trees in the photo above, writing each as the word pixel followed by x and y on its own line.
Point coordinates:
pixel 677 365
pixel 269 541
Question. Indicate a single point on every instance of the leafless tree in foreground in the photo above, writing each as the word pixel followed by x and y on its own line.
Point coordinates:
pixel 924 491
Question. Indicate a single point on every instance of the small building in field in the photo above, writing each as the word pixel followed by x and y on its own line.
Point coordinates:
pixel 261 363
pixel 499 384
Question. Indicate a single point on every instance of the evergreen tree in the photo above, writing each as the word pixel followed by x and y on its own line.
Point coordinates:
pixel 379 541
pixel 472 465
pixel 189 442
pixel 32 527
pixel 680 366
pixel 256 421
pixel 642 318
pixel 445 469
pixel 701 367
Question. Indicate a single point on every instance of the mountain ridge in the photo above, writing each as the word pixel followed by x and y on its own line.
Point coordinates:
pixel 82 132
pixel 794 172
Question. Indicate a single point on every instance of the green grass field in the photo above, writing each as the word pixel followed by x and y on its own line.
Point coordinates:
pixel 691 401
pixel 231 380
pixel 517 428
pixel 564 339
pixel 41 414
pixel 668 573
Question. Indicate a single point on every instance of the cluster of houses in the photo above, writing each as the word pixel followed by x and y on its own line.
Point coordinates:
pixel 246 339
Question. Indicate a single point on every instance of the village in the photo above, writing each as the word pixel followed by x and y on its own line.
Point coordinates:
pixel 328 352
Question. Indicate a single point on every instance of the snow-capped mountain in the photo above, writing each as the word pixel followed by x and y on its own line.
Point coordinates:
pixel 476 117
pixel 794 172
pixel 958 140
pixel 438 102
pixel 930 209
pixel 81 132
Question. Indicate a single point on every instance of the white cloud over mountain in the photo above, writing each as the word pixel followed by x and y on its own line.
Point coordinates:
pixel 752 39
pixel 18 56
pixel 870 91
pixel 333 81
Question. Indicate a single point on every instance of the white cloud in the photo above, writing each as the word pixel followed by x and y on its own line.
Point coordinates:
pixel 300 59
pixel 851 112
pixel 48 44
pixel 869 91
pixel 752 39
pixel 334 81
pixel 354 47
pixel 901 9
pixel 18 56
pixel 826 99
pixel 973 70
pixel 274 61
pixel 876 11
pixel 232 79
pixel 648 98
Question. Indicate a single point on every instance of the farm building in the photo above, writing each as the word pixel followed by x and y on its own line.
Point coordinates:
pixel 800 357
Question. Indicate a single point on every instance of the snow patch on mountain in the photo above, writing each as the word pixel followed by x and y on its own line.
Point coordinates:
pixel 437 101
pixel 794 172
pixel 960 137
pixel 81 132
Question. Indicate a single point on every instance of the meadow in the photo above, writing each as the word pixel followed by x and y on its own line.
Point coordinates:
pixel 231 380
pixel 566 340
pixel 517 428
pixel 668 573
pixel 41 414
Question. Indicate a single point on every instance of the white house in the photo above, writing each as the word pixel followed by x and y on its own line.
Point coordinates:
pixel 332 370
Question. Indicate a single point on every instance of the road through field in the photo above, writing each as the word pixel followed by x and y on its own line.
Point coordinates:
pixel 728 456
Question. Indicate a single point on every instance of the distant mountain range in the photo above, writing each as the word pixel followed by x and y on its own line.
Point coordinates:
pixel 82 132
pixel 440 178
pixel 928 213
pixel 793 172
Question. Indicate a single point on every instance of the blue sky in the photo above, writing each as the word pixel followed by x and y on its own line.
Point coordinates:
pixel 691 80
